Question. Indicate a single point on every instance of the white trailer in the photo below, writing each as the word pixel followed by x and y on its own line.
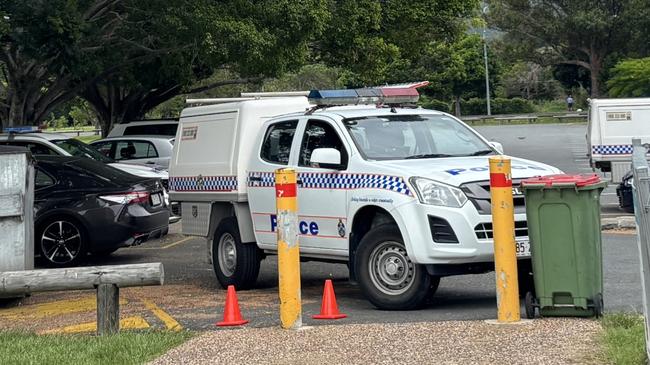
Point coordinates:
pixel 612 125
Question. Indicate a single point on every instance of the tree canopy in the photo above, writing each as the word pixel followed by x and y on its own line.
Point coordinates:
pixel 126 56
pixel 630 78
pixel 587 33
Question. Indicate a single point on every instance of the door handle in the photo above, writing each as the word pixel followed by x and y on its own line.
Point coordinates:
pixel 254 178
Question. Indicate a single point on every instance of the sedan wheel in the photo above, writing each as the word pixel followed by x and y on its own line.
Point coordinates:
pixel 61 242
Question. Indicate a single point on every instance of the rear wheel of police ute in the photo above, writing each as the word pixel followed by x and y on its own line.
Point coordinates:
pixel 235 263
pixel 387 276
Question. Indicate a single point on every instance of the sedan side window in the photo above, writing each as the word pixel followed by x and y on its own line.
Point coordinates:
pixel 277 142
pixel 129 150
pixel 104 148
pixel 42 180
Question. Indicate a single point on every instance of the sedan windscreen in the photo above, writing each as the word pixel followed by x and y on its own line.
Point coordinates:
pixel 80 149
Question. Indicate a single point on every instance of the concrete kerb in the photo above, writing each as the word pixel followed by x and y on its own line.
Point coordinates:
pixel 624 222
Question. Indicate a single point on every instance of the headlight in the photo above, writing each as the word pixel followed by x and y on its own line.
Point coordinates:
pixel 435 193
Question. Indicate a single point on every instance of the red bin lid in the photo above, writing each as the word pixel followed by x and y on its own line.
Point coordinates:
pixel 563 179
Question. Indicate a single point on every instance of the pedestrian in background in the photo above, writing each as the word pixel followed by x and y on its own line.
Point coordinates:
pixel 569 102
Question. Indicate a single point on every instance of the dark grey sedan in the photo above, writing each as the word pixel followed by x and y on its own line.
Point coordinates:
pixel 83 206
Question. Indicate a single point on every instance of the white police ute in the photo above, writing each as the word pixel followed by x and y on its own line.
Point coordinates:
pixel 399 193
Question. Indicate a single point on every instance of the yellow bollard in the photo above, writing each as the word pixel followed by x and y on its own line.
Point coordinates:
pixel 503 228
pixel 288 250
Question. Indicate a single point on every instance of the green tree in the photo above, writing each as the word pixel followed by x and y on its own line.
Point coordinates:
pixel 630 78
pixel 252 40
pixel 378 41
pixel 586 33
pixel 51 50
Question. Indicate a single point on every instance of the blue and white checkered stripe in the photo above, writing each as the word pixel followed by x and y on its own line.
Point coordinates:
pixel 621 149
pixel 203 183
pixel 311 180
pixel 261 179
pixel 354 181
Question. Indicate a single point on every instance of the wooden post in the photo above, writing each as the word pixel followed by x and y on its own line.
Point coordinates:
pixel 108 309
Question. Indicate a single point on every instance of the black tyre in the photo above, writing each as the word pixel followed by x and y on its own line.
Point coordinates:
pixel 525 278
pixel 529 305
pixel 235 263
pixel 387 276
pixel 61 242
pixel 598 305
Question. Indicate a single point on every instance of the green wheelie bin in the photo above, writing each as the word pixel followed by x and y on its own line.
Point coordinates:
pixel 563 213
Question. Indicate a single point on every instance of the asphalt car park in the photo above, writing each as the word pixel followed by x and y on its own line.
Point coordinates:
pixel 191 297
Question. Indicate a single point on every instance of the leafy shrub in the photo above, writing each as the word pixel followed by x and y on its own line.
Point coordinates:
pixel 476 106
pixel 437 105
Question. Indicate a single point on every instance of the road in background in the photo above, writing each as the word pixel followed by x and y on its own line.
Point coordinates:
pixel 561 145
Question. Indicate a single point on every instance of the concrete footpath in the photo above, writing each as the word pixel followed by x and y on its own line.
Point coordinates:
pixel 542 341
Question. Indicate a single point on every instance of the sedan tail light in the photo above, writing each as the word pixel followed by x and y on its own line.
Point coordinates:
pixel 127 198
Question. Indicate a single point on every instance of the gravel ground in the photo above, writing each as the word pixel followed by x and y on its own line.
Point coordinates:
pixel 542 341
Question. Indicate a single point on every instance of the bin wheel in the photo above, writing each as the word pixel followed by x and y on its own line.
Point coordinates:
pixel 529 304
pixel 598 305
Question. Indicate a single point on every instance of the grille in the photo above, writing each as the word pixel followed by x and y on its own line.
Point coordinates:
pixel 165 183
pixel 484 230
pixel 479 194
pixel 441 231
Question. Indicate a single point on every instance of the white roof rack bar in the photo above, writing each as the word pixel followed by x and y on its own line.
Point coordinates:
pixel 274 94
pixel 216 100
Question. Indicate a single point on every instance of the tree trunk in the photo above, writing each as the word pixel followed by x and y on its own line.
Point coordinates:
pixel 30 94
pixel 457 106
pixel 595 61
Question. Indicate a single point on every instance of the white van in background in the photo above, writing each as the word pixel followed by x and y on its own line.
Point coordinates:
pixel 151 127
pixel 612 125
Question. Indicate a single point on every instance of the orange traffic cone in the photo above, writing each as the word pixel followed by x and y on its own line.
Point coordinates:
pixel 329 309
pixel 231 314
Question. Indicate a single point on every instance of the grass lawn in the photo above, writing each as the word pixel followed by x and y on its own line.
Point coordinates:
pixel 540 120
pixel 88 139
pixel 88 128
pixel 125 348
pixel 623 340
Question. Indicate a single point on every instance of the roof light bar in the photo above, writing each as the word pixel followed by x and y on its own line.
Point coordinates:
pixel 21 129
pixel 378 95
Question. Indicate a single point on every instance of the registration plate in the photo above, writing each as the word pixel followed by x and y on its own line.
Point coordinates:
pixel 155 199
pixel 522 248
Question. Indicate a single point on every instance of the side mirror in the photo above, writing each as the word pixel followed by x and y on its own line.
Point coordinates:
pixel 497 146
pixel 328 158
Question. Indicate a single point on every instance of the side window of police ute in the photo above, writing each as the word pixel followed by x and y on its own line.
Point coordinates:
pixel 276 147
pixel 319 134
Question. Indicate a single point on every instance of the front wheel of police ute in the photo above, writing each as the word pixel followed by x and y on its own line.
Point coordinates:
pixel 235 263
pixel 387 276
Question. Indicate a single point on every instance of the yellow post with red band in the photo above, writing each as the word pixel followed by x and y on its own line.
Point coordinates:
pixel 288 250
pixel 503 227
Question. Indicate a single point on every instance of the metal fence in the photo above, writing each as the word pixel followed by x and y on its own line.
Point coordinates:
pixel 641 188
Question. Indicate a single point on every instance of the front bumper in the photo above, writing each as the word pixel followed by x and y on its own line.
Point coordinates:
pixel 472 232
